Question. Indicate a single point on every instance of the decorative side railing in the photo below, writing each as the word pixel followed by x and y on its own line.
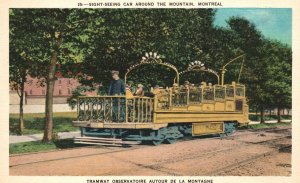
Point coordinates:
pixel 115 109
pixel 182 96
pixel 140 109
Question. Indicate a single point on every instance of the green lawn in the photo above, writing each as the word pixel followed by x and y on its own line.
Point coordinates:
pixel 254 117
pixel 263 125
pixel 35 146
pixel 34 123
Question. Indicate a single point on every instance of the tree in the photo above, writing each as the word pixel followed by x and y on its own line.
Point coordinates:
pixel 55 36
pixel 250 41
pixel 17 77
pixel 279 74
pixel 267 72
pixel 19 63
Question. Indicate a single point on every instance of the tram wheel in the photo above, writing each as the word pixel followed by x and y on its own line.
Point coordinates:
pixel 229 134
pixel 157 142
pixel 170 140
pixel 222 135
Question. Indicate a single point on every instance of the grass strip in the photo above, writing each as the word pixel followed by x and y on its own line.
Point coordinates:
pixel 34 123
pixel 36 146
pixel 264 125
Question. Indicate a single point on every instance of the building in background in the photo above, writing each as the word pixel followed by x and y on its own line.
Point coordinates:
pixel 35 95
pixel 35 91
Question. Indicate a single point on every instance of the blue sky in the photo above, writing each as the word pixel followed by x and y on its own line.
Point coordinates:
pixel 274 23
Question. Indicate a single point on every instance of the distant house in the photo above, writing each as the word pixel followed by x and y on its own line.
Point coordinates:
pixel 35 91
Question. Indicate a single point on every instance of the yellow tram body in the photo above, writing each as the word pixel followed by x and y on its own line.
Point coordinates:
pixel 170 113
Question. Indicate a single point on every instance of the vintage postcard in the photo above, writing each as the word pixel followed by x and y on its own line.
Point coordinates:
pixel 150 91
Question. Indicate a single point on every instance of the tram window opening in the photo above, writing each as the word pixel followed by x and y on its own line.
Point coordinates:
pixel 208 94
pixel 229 92
pixel 219 92
pixel 239 91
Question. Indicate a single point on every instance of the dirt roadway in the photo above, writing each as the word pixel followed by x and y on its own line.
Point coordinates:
pixel 247 153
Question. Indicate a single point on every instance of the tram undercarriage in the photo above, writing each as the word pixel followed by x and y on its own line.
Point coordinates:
pixel 168 134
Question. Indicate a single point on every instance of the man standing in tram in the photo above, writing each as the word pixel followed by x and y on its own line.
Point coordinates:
pixel 117 87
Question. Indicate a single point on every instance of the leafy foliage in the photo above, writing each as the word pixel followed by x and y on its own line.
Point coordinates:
pixel 267 72
pixel 129 34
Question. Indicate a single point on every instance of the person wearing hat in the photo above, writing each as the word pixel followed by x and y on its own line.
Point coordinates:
pixel 140 90
pixel 117 86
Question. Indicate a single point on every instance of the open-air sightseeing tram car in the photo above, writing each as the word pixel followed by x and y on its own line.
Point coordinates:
pixel 171 113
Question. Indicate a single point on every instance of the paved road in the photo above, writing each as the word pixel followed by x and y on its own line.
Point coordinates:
pixel 252 153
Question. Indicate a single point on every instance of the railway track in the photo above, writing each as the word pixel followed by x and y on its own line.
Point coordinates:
pixel 247 161
pixel 256 131
pixel 80 156
pixel 120 149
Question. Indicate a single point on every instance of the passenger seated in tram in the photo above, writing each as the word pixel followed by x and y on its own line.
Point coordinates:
pixel 186 84
pixel 128 86
pixel 181 87
pixel 129 90
pixel 155 90
pixel 192 87
pixel 175 88
pixel 203 84
pixel 129 94
pixel 140 90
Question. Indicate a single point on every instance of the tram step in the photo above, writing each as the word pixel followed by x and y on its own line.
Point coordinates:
pixel 103 141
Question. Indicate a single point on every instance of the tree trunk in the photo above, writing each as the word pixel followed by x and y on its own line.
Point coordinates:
pixel 256 112
pixel 278 115
pixel 262 115
pixel 21 113
pixel 49 97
